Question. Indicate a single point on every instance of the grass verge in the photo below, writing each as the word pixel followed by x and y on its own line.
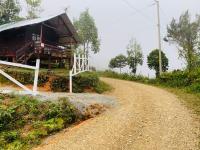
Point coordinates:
pixel 191 100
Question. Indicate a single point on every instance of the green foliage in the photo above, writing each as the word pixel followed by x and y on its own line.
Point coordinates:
pixel 11 136
pixel 102 87
pixel 119 61
pixel 81 82
pixel 175 79
pixel 41 118
pixel 16 145
pixel 185 34
pixel 33 8
pixel 124 76
pixel 55 124
pixel 88 32
pixel 25 77
pixel 182 79
pixel 135 56
pixel 153 61
pixel 9 11
pixel 59 84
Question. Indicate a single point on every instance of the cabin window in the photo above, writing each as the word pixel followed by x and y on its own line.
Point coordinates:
pixel 35 37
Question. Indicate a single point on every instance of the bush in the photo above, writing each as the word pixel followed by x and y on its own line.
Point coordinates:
pixel 124 76
pixel 101 87
pixel 81 83
pixel 25 77
pixel 55 124
pixel 175 79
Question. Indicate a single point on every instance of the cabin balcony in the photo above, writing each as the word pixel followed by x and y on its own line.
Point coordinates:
pixel 35 49
pixel 52 49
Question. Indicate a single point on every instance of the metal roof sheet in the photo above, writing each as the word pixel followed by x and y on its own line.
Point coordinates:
pixel 23 23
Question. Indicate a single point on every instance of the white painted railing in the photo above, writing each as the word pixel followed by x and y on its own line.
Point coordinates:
pixel 81 64
pixel 36 68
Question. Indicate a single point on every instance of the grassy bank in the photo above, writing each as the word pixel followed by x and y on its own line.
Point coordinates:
pixel 24 121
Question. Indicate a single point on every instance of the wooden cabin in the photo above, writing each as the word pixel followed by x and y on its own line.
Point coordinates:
pixel 50 38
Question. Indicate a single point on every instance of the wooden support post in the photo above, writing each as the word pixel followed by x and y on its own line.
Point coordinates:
pixel 49 62
pixel 41 33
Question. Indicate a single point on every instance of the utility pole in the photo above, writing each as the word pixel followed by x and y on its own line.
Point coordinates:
pixel 159 37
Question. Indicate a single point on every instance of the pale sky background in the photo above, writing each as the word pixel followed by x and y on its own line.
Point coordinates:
pixel 118 22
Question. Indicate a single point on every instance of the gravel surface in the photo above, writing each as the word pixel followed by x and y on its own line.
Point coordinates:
pixel 80 101
pixel 147 118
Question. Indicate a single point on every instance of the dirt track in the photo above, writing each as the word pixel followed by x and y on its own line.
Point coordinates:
pixel 147 118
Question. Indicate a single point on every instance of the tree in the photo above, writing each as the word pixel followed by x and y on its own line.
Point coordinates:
pixel 33 8
pixel 153 61
pixel 9 11
pixel 87 32
pixel 135 56
pixel 185 34
pixel 119 61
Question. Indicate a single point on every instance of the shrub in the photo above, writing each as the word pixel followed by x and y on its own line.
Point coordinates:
pixel 124 76
pixel 11 136
pixel 101 87
pixel 55 124
pixel 25 77
pixel 58 83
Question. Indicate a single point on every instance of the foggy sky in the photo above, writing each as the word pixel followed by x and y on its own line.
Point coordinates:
pixel 118 23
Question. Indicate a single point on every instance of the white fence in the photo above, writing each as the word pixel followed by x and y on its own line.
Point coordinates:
pixel 36 68
pixel 81 64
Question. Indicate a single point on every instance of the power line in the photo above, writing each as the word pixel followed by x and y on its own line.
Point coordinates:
pixel 137 10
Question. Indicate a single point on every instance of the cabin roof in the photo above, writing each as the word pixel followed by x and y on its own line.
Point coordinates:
pixel 23 23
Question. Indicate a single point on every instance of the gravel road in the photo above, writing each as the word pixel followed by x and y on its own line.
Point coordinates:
pixel 147 118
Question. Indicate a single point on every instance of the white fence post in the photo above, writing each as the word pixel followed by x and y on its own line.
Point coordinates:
pixel 70 82
pixel 79 62
pixel 36 77
pixel 82 66
pixel 75 62
pixel 88 64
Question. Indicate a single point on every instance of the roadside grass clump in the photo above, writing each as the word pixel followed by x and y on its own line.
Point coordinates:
pixel 102 87
pixel 123 76
pixel 24 120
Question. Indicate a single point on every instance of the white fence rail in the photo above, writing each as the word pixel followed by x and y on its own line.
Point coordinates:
pixel 81 64
pixel 36 68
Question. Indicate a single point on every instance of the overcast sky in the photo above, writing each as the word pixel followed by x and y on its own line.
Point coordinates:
pixel 118 22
